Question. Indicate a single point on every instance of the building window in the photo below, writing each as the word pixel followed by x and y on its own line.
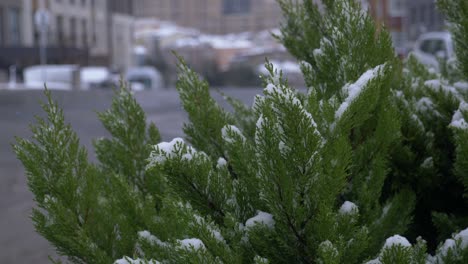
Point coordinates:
pixel 1 27
pixel 236 6
pixel 175 9
pixel 414 15
pixel 399 40
pixel 84 37
pixel 121 6
pixel 14 35
pixel 379 10
pixel 397 7
pixel 60 34
pixel 72 32
pixel 95 40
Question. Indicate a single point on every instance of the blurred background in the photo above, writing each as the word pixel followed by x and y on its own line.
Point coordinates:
pixel 81 49
pixel 83 44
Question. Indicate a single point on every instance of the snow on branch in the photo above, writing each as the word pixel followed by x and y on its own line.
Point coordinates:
pixel 458 121
pixel 261 218
pixel 353 90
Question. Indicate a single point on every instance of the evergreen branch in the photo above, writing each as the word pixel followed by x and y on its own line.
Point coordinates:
pixel 217 210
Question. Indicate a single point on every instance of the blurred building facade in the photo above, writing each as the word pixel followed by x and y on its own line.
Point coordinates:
pixel 406 19
pixel 214 16
pixel 70 24
pixel 392 14
pixel 121 20
pixel 83 32
pixel 423 16
pixel 99 42
pixel 14 35
pixel 11 22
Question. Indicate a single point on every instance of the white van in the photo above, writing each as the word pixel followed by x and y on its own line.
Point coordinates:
pixel 60 77
pixel 432 47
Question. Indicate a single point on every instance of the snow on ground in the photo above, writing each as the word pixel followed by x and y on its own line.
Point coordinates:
pixel 161 29
pixel 191 37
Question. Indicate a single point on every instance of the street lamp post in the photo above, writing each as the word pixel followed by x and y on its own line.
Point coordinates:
pixel 42 18
pixel 12 81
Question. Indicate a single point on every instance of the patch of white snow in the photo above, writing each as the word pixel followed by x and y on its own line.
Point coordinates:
pixel 458 121
pixel 463 236
pixel 396 240
pixel 221 162
pixel 230 129
pixel 354 90
pixel 428 163
pixel 151 238
pixel 192 243
pixel 127 260
pixel 261 218
pixel 348 208
pixel 463 86
pixel 438 85
pixel 374 261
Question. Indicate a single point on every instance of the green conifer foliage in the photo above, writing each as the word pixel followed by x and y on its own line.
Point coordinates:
pixel 206 117
pixel 91 213
pixel 425 158
pixel 126 152
pixel 431 150
pixel 338 59
pixel 456 12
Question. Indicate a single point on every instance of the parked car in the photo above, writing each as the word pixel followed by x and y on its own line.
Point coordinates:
pixel 432 47
pixel 144 78
pixel 94 77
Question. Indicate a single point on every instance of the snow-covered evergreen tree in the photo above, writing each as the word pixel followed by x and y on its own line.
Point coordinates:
pixel 371 153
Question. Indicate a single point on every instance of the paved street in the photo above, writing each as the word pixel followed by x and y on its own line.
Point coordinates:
pixel 18 241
